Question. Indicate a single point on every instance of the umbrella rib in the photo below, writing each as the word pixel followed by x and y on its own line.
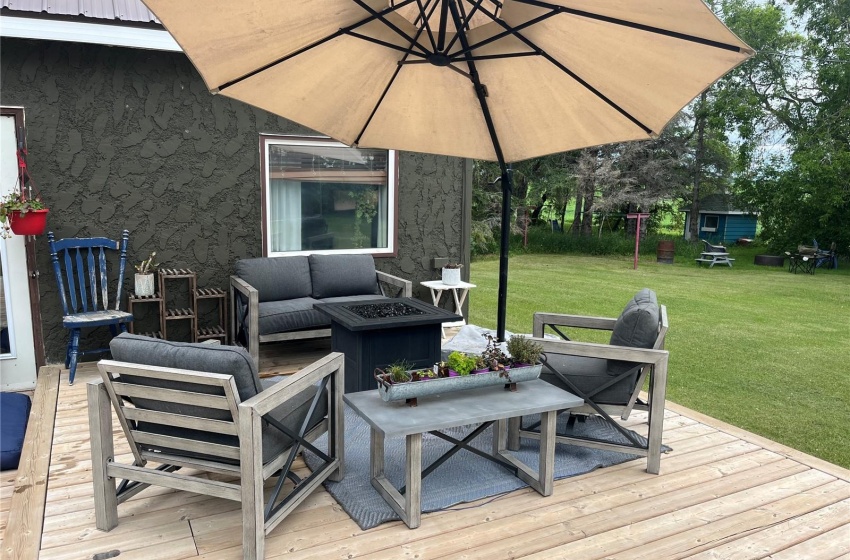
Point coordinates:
pixel 468 17
pixel 503 34
pixel 380 16
pixel 392 79
pixel 480 90
pixel 634 25
pixel 382 43
pixel 323 40
pixel 426 23
pixel 573 75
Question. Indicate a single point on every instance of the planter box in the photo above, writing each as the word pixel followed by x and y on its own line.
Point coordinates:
pixel 414 389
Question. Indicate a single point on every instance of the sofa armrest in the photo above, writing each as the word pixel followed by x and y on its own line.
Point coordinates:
pixel 253 296
pixel 405 287
pixel 577 321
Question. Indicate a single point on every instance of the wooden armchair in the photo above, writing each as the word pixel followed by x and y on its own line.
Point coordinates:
pixel 178 418
pixel 609 377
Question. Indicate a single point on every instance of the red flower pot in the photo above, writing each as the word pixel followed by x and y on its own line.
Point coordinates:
pixel 34 222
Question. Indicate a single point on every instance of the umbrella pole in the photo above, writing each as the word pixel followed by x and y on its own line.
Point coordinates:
pixel 481 93
pixel 507 191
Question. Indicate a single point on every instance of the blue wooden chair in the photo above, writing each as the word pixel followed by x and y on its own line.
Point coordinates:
pixel 84 285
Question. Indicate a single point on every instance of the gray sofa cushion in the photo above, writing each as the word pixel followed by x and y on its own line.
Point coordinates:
pixel 227 360
pixel 343 275
pixel 588 374
pixel 637 326
pixel 290 315
pixel 276 278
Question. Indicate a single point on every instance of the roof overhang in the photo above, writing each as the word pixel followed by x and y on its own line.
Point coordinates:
pixel 93 33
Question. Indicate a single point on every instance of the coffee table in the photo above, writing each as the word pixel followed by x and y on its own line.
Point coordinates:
pixel 488 406
pixel 376 342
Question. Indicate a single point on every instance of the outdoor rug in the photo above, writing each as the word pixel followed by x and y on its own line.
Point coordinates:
pixel 463 478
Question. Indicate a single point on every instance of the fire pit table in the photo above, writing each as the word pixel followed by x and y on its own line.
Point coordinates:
pixel 375 333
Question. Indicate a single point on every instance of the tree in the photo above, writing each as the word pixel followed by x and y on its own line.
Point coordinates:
pixel 801 83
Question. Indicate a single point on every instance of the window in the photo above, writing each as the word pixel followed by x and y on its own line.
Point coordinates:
pixel 321 196
pixel 710 222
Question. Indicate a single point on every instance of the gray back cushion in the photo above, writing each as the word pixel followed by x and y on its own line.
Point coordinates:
pixel 227 360
pixel 343 275
pixel 276 278
pixel 637 326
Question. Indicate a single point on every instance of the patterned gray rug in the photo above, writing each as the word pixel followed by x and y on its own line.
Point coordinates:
pixel 463 478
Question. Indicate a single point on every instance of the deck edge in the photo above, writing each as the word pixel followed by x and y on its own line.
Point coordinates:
pixel 22 539
pixel 789 452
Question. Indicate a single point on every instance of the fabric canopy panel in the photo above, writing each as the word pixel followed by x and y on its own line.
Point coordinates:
pixel 556 75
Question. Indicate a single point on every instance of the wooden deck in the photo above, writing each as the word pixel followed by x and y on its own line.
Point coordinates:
pixel 722 493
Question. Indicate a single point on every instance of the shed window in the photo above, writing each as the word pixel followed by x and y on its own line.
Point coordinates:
pixel 710 222
pixel 321 196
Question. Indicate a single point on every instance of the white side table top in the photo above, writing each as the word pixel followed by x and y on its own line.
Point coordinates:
pixel 438 285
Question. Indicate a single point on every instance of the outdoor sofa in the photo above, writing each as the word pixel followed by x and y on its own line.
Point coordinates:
pixel 272 298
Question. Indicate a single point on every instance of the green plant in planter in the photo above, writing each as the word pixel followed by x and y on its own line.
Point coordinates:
pixel 480 363
pixel 16 202
pixel 524 350
pixel 461 363
pixel 398 371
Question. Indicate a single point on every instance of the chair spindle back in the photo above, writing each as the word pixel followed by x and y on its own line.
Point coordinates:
pixel 84 261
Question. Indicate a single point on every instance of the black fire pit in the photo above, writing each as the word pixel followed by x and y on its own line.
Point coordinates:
pixel 376 333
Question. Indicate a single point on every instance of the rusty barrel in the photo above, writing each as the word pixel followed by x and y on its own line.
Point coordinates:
pixel 665 252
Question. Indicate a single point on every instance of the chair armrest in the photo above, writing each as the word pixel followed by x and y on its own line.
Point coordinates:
pixel 253 296
pixel 280 392
pixel 606 351
pixel 406 286
pixel 578 321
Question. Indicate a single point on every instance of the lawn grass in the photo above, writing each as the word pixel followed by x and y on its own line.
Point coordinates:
pixel 754 346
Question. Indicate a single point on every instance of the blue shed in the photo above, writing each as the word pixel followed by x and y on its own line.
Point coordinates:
pixel 721 222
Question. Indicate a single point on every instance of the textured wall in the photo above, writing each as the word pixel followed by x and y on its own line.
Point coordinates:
pixel 130 139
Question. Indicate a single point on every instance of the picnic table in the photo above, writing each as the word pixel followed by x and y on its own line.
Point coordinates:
pixel 714 257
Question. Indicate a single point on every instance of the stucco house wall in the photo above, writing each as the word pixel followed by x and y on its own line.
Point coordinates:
pixel 124 138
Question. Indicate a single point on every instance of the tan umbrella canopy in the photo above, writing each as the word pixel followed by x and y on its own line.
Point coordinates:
pixel 523 78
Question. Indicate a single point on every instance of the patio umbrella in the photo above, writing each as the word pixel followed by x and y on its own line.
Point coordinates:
pixel 499 80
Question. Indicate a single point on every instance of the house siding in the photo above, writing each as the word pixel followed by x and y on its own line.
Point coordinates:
pixel 131 139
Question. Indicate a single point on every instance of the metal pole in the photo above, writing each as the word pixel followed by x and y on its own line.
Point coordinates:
pixel 501 313
pixel 481 93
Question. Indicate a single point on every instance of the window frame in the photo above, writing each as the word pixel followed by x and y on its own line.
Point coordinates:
pixel 268 140
pixel 706 227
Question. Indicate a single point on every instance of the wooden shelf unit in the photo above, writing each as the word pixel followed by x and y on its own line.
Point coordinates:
pixel 169 275
pixel 157 298
pixel 219 298
pixel 178 313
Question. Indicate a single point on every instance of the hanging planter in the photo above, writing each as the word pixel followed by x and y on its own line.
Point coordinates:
pixel 21 215
pixel 33 222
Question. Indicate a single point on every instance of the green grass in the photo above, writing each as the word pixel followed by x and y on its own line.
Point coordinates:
pixel 756 347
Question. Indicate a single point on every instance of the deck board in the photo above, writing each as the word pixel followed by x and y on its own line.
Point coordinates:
pixel 722 493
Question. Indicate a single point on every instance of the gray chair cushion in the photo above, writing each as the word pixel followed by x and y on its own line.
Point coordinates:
pixel 290 315
pixel 343 275
pixel 588 374
pixel 276 278
pixel 637 326
pixel 227 360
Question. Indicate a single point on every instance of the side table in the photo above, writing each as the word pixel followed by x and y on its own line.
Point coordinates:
pixel 459 292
